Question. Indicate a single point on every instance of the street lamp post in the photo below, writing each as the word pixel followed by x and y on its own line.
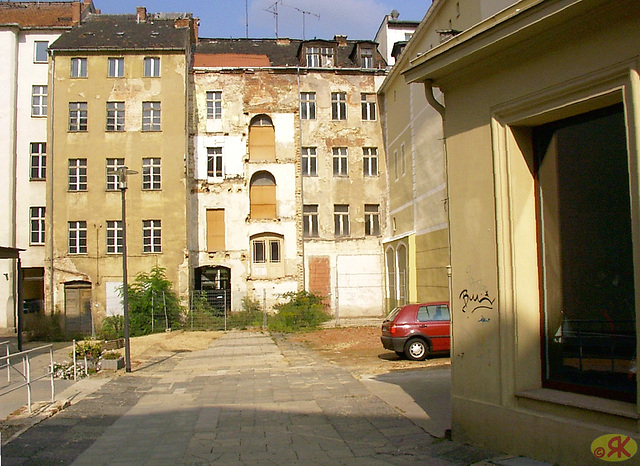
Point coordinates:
pixel 122 173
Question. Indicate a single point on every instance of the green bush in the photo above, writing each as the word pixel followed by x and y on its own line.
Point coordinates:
pixel 90 349
pixel 111 355
pixel 112 328
pixel 42 327
pixel 303 311
pixel 151 295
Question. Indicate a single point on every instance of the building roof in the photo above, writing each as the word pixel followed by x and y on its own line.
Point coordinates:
pixel 128 32
pixel 37 14
pixel 273 52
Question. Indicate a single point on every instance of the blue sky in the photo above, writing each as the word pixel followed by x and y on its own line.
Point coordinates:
pixel 358 19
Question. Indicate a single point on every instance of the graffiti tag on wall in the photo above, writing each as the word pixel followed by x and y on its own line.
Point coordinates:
pixel 476 296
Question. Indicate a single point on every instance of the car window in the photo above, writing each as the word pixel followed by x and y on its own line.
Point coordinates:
pixel 392 315
pixel 437 312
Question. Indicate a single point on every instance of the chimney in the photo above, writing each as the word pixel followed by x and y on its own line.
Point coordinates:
pixel 141 13
pixel 341 40
pixel 283 41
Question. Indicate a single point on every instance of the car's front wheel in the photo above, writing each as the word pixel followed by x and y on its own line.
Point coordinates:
pixel 416 349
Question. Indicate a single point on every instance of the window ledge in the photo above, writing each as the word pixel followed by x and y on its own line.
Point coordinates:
pixel 576 400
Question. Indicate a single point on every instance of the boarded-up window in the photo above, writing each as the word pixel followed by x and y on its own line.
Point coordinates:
pixel 215 230
pixel 263 195
pixel 262 139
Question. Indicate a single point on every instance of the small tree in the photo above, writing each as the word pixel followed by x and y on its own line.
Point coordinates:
pixel 152 294
pixel 303 311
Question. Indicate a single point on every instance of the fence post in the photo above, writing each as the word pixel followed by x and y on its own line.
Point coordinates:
pixel 75 363
pixel 264 309
pixel 28 372
pixel 53 389
pixel 8 364
pixel 225 310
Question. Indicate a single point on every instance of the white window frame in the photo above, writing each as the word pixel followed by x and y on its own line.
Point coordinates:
pixel 77 238
pixel 151 173
pixel 338 105
pixel 341 220
pixel 215 162
pixel 115 67
pixel 309 161
pixel 77 178
pixel 37 226
pixel 151 116
pixel 115 237
pixel 151 67
pixel 308 105
pixel 368 104
pixel 372 220
pixel 78 117
pixel 310 221
pixel 113 164
pixel 326 57
pixel 115 116
pixel 38 160
pixel 340 161
pixel 152 236
pixel 313 57
pixel 39 94
pixel 370 161
pixel 366 58
pixel 266 250
pixel 37 50
pixel 79 67
pixel 214 105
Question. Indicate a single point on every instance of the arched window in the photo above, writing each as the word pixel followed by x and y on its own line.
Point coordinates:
pixel 267 255
pixel 262 139
pixel 402 275
pixel 262 194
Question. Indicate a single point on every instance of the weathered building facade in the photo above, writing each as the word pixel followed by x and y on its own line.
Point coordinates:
pixel 120 97
pixel 541 132
pixel 26 30
pixel 288 171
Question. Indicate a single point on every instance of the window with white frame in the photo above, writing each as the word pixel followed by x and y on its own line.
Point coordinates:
pixel 214 105
pixel 309 161
pixel 326 57
pixel 78 237
pixel 372 220
pixel 214 162
pixel 341 219
pixel 151 179
pixel 115 67
pixel 78 116
pixel 310 220
pixel 38 101
pixel 151 116
pixel 366 58
pixel 77 174
pixel 115 116
pixel 368 104
pixel 112 178
pixel 78 67
pixel 266 250
pixel 340 161
pixel 114 237
pixel 313 57
pixel 370 161
pixel 40 51
pixel 151 236
pixel 37 225
pixel 38 164
pixel 308 105
pixel 151 67
pixel 338 105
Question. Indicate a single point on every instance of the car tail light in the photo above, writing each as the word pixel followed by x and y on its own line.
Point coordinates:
pixel 393 329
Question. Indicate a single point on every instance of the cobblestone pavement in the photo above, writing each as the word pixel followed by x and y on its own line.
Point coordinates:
pixel 248 399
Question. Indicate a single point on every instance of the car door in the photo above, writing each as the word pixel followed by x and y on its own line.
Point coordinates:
pixel 434 322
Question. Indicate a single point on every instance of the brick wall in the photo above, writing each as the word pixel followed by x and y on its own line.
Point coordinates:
pixel 320 275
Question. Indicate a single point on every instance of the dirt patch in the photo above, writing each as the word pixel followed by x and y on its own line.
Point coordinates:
pixel 358 349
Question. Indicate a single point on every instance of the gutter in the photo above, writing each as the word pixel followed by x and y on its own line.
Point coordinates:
pixel 49 175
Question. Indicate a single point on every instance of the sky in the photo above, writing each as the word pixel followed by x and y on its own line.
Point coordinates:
pixel 358 19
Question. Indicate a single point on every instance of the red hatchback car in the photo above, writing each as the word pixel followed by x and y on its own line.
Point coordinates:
pixel 417 330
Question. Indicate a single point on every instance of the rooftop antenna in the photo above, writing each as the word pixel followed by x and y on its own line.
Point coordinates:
pixel 246 17
pixel 273 9
pixel 304 12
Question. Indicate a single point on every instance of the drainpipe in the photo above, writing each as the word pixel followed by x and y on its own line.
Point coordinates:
pixel 304 278
pixel 13 171
pixel 49 175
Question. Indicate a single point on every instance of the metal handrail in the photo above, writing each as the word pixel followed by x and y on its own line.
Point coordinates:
pixel 7 364
pixel 24 355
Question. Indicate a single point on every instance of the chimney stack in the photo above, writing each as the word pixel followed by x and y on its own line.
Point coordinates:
pixel 141 12
pixel 341 40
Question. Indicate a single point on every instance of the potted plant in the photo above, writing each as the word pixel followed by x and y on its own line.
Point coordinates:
pixel 112 360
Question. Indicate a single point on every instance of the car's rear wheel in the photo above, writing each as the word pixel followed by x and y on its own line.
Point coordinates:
pixel 416 349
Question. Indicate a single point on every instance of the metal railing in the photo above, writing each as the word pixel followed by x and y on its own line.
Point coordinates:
pixel 13 361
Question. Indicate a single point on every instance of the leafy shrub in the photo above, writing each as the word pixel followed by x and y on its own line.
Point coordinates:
pixel 90 349
pixel 112 328
pixel 42 327
pixel 151 294
pixel 303 311
pixel 110 355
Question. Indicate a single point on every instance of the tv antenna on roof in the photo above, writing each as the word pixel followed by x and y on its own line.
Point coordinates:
pixel 273 9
